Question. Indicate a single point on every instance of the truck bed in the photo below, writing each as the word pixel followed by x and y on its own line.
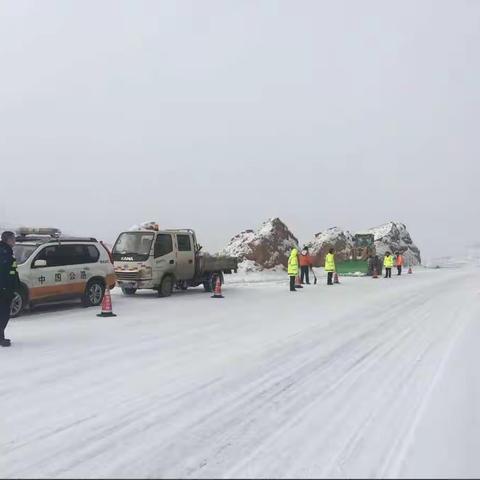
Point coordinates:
pixel 216 263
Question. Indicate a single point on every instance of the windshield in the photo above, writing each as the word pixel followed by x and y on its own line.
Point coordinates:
pixel 23 252
pixel 364 240
pixel 137 243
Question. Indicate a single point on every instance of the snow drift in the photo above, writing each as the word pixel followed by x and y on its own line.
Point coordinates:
pixel 394 237
pixel 340 240
pixel 265 248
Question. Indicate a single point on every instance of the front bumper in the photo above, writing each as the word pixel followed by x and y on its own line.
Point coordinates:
pixel 135 283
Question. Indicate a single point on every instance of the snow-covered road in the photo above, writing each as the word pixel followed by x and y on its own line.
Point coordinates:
pixel 354 380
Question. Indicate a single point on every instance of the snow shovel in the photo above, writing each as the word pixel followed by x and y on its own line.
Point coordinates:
pixel 314 277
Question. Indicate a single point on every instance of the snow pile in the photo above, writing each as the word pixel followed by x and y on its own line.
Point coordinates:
pixel 394 237
pixel 150 225
pixel 340 240
pixel 268 247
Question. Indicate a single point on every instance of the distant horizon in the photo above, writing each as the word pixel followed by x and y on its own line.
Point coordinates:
pixel 426 257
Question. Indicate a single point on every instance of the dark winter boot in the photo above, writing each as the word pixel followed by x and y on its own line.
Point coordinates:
pixel 5 342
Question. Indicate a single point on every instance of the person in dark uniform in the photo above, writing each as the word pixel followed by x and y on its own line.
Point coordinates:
pixel 8 282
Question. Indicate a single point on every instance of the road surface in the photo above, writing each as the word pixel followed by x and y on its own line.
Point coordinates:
pixel 355 380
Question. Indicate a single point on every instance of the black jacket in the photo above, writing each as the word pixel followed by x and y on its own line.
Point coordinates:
pixel 8 270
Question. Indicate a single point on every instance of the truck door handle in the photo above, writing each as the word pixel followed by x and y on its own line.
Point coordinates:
pixel 190 261
pixel 172 262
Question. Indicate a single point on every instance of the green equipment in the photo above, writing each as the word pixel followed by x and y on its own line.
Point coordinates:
pixel 362 259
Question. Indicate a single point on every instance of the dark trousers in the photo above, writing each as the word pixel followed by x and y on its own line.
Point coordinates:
pixel 399 269
pixel 305 273
pixel 292 283
pixel 4 316
pixel 388 273
pixel 329 278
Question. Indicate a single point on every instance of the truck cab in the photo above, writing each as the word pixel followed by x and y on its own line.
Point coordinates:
pixel 151 258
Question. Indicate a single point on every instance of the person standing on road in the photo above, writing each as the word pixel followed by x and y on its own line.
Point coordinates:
pixel 330 265
pixel 399 261
pixel 305 265
pixel 388 264
pixel 8 282
pixel 293 268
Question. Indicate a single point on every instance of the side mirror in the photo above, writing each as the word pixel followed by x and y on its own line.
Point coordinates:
pixel 40 263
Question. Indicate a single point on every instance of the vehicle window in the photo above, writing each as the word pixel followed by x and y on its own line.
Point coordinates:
pixel 133 242
pixel 163 245
pixel 62 255
pixel 91 254
pixel 70 254
pixel 49 254
pixel 184 244
pixel 22 252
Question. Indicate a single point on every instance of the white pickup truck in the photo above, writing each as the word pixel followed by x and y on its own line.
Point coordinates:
pixel 150 258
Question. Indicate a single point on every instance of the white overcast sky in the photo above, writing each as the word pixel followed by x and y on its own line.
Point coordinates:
pixel 216 115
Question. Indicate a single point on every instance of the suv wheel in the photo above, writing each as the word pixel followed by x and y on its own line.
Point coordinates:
pixel 18 304
pixel 94 292
pixel 128 291
pixel 166 286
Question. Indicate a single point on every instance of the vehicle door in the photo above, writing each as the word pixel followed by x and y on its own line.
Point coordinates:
pixel 74 260
pixel 164 256
pixel 45 274
pixel 185 257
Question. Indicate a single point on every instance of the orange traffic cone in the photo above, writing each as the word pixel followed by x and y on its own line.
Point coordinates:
pixel 335 278
pixel 375 274
pixel 298 282
pixel 106 305
pixel 410 270
pixel 217 291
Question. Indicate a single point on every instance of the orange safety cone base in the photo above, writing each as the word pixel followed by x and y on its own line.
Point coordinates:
pixel 106 305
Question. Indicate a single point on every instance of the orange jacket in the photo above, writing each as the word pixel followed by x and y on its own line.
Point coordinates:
pixel 305 260
pixel 399 262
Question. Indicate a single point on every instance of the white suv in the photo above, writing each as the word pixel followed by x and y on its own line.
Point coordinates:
pixel 55 268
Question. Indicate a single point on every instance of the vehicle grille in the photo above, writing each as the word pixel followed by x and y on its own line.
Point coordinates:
pixel 128 275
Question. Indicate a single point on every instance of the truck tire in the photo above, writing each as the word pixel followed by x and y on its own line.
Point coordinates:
pixel 208 284
pixel 166 286
pixel 18 304
pixel 128 291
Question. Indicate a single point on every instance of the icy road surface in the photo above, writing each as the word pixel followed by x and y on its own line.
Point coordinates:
pixel 363 379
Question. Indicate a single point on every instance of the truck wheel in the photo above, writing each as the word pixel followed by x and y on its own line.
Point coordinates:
pixel 128 291
pixel 94 292
pixel 208 284
pixel 17 306
pixel 166 287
